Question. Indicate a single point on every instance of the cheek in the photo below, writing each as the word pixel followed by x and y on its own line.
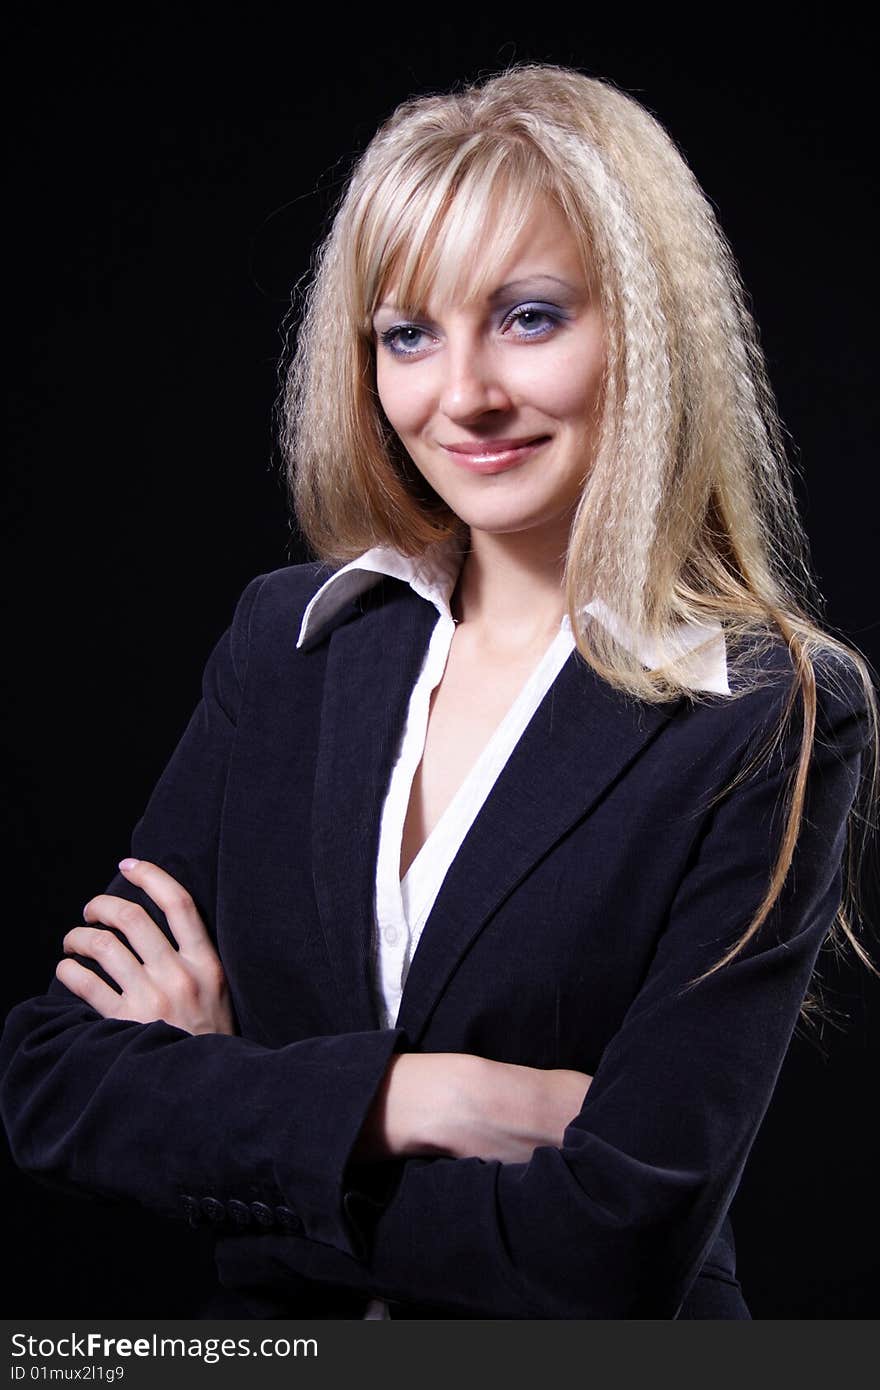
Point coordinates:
pixel 568 384
pixel 582 370
pixel 402 396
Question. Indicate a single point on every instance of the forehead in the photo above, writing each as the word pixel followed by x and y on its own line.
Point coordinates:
pixel 464 263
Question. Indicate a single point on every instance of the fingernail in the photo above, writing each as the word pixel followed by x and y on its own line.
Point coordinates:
pixel 128 863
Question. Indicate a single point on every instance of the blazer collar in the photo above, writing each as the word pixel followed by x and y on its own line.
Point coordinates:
pixel 433 576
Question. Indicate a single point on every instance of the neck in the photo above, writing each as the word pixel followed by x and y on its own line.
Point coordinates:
pixel 510 590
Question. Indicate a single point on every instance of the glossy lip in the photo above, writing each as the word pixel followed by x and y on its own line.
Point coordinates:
pixel 495 455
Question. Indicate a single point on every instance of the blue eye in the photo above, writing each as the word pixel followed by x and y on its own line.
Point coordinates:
pixel 390 336
pixel 526 314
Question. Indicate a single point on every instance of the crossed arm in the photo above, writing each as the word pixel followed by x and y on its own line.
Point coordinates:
pixel 449 1103
pixel 613 1217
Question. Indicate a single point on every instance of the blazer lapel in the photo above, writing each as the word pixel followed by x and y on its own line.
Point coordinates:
pixel 373 661
pixel 580 740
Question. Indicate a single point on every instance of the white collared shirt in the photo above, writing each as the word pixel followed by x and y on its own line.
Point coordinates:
pixel 402 907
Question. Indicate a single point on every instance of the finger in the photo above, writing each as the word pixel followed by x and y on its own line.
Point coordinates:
pixel 135 923
pixel 175 901
pixel 110 953
pixel 87 986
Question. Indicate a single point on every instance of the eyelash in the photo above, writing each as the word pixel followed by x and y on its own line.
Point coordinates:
pixel 387 338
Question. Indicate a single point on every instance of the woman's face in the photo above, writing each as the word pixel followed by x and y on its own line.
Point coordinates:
pixel 496 401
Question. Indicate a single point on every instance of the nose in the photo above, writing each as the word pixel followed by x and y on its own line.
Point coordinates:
pixel 473 382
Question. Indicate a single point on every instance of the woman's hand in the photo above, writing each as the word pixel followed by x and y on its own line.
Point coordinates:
pixel 458 1105
pixel 505 1111
pixel 185 987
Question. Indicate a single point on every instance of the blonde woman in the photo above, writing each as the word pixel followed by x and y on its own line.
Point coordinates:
pixel 499 851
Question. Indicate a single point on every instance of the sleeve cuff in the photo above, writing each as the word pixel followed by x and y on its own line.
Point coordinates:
pixel 343 1197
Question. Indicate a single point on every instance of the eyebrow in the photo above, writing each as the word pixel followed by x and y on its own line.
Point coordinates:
pixel 517 287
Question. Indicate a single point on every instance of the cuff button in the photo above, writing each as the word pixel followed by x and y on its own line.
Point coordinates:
pixel 213 1210
pixel 239 1212
pixel 288 1220
pixel 190 1209
pixel 262 1214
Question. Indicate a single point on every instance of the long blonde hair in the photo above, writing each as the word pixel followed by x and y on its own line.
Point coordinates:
pixel 688 513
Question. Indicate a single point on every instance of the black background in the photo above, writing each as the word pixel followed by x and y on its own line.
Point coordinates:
pixel 167 176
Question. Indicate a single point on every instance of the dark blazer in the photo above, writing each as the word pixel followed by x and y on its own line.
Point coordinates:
pixel 596 881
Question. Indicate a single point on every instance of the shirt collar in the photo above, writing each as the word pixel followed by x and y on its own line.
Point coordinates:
pixel 433 576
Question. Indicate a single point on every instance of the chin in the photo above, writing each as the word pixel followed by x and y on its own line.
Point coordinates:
pixel 507 524
pixel 509 509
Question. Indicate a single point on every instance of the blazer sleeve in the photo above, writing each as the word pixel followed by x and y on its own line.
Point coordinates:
pixel 150 1113
pixel 617 1221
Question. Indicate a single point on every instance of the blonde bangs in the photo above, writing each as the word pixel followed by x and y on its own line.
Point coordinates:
pixel 445 231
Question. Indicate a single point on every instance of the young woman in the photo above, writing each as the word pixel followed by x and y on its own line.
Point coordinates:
pixel 470 921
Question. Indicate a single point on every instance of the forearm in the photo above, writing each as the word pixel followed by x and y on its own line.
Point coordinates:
pixel 149 1113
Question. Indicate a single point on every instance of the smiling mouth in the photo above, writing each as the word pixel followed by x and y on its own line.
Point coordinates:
pixel 494 457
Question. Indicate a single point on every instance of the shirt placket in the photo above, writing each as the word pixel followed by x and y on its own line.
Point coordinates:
pixel 392 929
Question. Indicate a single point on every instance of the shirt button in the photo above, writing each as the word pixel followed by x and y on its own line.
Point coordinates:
pixel 391 934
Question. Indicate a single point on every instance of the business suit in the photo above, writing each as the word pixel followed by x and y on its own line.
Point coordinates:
pixel 594 884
